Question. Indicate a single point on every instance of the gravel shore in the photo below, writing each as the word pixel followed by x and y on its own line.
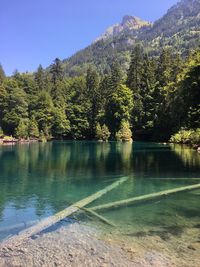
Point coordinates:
pixel 79 245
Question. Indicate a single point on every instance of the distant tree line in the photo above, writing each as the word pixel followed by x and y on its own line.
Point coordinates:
pixel 157 97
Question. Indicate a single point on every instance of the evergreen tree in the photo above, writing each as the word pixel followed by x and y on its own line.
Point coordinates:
pixel 40 78
pixel 119 107
pixel 116 74
pixel 187 96
pixel 78 109
pixel 165 78
pixel 61 125
pixel 43 112
pixel 33 128
pixel 22 129
pixel 3 102
pixel 134 82
pixel 92 84
pixel 2 74
pixel 57 71
pixel 135 69
pixel 16 107
pixel 148 83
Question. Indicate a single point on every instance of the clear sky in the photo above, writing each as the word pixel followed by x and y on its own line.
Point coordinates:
pixel 38 31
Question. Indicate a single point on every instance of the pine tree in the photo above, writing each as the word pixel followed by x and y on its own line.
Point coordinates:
pixel 148 83
pixel 16 107
pixel 21 130
pixel 2 74
pixel 3 102
pixel 61 125
pixel 135 70
pixel 78 109
pixel 33 128
pixel 92 84
pixel 134 82
pixel 43 112
pixel 188 91
pixel 165 76
pixel 116 74
pixel 57 71
pixel 119 107
pixel 40 78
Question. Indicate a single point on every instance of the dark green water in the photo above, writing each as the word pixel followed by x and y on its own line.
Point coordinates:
pixel 38 180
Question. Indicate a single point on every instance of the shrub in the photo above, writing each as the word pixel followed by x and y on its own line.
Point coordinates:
pixel 124 133
pixel 102 133
pixel 186 137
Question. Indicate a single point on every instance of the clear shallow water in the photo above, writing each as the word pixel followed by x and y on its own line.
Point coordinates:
pixel 38 180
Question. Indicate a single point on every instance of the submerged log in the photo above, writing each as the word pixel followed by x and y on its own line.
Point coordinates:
pixel 139 199
pixel 100 217
pixel 50 221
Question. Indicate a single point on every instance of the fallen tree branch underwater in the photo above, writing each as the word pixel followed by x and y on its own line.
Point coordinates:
pixel 48 222
pixel 100 217
pixel 139 199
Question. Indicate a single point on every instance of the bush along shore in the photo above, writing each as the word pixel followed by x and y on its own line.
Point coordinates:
pixel 24 134
pixel 189 137
pixel 5 140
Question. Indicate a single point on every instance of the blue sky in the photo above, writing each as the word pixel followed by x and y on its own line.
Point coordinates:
pixel 38 31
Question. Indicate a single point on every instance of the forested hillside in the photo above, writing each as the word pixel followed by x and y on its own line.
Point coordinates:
pixel 179 29
pixel 152 101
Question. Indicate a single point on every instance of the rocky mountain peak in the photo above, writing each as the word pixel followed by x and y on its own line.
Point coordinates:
pixel 133 22
pixel 128 23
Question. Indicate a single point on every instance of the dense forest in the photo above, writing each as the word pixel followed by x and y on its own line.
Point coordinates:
pixel 157 97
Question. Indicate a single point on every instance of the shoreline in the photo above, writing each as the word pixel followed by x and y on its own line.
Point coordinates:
pixel 79 244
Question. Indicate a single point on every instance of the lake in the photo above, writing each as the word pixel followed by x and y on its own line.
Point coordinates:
pixel 40 179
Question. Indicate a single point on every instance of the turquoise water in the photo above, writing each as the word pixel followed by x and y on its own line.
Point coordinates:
pixel 37 180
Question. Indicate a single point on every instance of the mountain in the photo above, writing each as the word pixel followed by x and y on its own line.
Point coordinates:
pixel 178 29
pixel 128 23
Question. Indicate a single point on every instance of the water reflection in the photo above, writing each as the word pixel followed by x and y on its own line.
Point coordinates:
pixel 40 179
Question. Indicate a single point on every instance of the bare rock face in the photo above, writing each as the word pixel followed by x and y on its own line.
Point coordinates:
pixel 128 23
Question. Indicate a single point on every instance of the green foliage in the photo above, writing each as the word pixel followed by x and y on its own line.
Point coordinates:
pixel 42 137
pixel 1 133
pixel 102 133
pixel 16 107
pixel 191 137
pixel 119 107
pixel 61 126
pixel 22 130
pixel 3 102
pixel 78 109
pixel 2 74
pixel 57 71
pixel 43 112
pixel 46 104
pixel 92 87
pixel 33 129
pixel 124 133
